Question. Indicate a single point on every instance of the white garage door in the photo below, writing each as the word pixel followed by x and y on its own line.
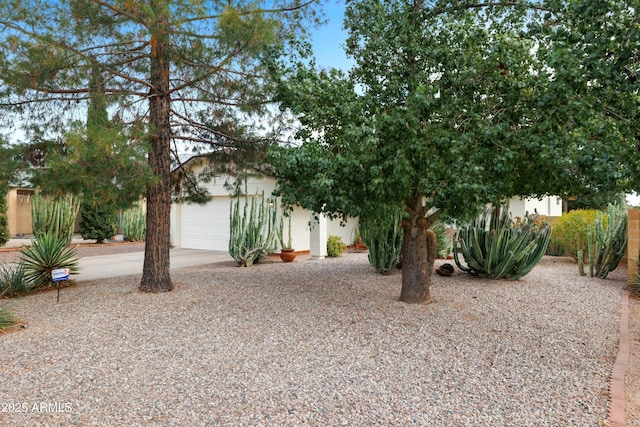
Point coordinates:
pixel 206 226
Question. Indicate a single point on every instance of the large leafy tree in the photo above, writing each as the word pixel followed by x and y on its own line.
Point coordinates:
pixel 450 106
pixel 177 70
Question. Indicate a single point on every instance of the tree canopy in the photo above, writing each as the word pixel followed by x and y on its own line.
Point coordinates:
pixel 174 72
pixel 453 105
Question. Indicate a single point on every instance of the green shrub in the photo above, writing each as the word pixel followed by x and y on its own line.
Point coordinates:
pixel 383 236
pixel 47 253
pixel 569 233
pixel 335 246
pixel 97 221
pixel 7 318
pixel 496 247
pixel 133 224
pixel 4 221
pixel 13 280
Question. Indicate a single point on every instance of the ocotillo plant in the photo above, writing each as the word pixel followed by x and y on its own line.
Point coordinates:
pixel 495 248
pixel 608 242
pixel 253 229
pixel 54 215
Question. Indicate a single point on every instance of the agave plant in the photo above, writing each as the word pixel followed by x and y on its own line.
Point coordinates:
pixel 495 247
pixel 47 253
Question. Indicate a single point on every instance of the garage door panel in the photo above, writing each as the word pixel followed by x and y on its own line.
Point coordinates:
pixel 206 227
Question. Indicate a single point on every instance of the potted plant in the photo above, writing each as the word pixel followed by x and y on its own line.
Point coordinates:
pixel 287 253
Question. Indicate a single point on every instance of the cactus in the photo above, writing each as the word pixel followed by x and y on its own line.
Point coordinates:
pixel 133 224
pixel 54 215
pixel 608 239
pixel 496 248
pixel 253 229
pixel 383 237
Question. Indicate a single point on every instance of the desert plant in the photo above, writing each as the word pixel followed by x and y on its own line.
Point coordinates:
pixel 253 229
pixel 634 285
pixel 495 247
pixel 608 239
pixel 7 318
pixel 335 246
pixel 47 253
pixel 569 233
pixel 97 221
pixel 444 243
pixel 54 215
pixel 288 244
pixel 383 236
pixel 13 281
pixel 133 224
pixel 4 220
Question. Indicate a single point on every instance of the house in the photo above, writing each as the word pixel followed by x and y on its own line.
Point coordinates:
pixel 207 226
pixel 19 210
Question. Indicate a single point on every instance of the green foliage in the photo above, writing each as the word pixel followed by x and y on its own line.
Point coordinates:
pixel 570 232
pixel 47 253
pixel 5 235
pixel 280 232
pixel 383 236
pixel 444 246
pixel 13 281
pixel 495 247
pixel 54 216
pixel 133 224
pixel 97 221
pixel 634 285
pixel 253 229
pixel 7 318
pixel 607 239
pixel 335 246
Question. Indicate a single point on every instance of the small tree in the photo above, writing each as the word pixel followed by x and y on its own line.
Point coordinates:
pixel 97 222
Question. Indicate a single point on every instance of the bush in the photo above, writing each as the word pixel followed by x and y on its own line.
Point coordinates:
pixel 13 280
pixel 47 253
pixel 4 221
pixel 97 222
pixel 335 246
pixel 569 233
pixel 7 318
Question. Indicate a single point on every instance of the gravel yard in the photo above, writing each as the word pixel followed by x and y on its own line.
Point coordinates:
pixel 315 343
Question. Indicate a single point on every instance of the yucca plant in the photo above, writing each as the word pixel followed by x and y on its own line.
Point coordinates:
pixel 54 215
pixel 133 224
pixel 7 318
pixel 47 253
pixel 494 247
pixel 253 229
pixel 13 281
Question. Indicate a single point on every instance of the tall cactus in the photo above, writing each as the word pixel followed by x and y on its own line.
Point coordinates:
pixel 495 248
pixel 253 229
pixel 54 215
pixel 383 237
pixel 608 239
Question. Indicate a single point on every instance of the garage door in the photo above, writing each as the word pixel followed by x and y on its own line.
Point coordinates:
pixel 206 226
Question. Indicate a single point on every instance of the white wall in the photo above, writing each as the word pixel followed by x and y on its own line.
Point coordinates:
pixel 547 206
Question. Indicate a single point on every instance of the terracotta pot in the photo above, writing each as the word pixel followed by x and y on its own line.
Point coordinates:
pixel 287 255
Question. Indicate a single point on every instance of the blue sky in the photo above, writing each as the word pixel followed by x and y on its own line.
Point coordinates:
pixel 328 40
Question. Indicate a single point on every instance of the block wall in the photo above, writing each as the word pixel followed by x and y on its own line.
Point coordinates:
pixel 633 247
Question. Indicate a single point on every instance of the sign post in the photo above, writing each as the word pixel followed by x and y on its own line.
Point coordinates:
pixel 58 276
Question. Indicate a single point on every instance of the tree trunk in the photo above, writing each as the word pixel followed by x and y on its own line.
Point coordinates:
pixel 418 254
pixel 155 272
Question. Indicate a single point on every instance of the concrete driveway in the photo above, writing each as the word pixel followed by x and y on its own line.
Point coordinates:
pixel 104 266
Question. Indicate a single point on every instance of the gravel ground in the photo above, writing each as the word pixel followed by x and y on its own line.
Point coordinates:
pixel 321 343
